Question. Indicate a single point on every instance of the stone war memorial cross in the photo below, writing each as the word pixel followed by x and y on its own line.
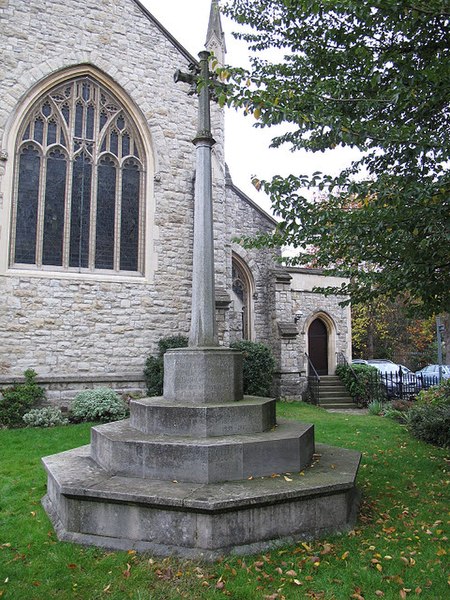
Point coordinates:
pixel 191 473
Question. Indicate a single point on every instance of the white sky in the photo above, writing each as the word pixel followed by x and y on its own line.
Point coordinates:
pixel 246 148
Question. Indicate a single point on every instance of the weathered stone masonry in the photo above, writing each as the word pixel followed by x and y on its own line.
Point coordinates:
pixel 89 329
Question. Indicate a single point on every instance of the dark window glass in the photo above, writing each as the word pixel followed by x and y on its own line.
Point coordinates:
pixel 103 119
pixel 114 143
pixel 26 135
pixel 27 205
pixel 86 91
pixel 80 211
pixel 129 226
pixel 66 113
pixel 51 133
pixel 39 130
pixel 46 110
pixel 79 120
pixel 120 123
pixel 90 123
pixel 125 145
pixel 106 212
pixel 55 193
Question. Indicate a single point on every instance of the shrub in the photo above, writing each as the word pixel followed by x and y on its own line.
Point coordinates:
pixel 258 367
pixel 430 424
pixel 429 418
pixel 397 410
pixel 100 404
pixel 19 399
pixel 375 408
pixel 366 387
pixel 49 416
pixel 154 365
pixel 436 395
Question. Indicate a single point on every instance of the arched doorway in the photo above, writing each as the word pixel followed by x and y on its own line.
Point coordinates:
pixel 318 346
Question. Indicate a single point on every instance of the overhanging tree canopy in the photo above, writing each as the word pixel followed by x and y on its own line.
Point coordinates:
pixel 372 75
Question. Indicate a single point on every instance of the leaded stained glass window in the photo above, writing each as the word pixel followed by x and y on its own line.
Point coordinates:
pixel 79 183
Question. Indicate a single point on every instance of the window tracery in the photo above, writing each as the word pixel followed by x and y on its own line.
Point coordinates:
pixel 79 183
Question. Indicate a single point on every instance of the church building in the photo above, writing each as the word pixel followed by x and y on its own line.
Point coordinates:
pixel 97 172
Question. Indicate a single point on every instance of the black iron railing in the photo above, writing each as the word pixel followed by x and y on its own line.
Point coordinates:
pixel 313 383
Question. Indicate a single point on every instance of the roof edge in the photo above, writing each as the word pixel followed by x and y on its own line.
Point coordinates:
pixel 249 201
pixel 166 33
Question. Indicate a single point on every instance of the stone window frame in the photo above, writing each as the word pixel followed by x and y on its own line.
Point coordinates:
pixel 147 206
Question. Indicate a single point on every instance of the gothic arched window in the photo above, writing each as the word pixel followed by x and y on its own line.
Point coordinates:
pixel 79 193
pixel 242 288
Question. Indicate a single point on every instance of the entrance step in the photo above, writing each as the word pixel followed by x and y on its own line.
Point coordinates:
pixel 333 394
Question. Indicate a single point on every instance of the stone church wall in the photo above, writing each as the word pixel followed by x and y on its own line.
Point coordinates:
pixel 66 324
pixel 80 330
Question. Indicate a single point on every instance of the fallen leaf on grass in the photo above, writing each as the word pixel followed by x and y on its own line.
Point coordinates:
pixel 220 584
pixel 127 572
pixel 291 573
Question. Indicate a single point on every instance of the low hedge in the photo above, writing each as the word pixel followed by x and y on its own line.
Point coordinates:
pixel 258 366
pixel 365 387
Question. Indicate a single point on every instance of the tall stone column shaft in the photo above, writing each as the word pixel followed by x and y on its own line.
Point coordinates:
pixel 203 330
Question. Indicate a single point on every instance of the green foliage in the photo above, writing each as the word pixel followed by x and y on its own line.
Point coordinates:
pixel 430 424
pixel 258 367
pixel 15 401
pixel 383 329
pixel 364 75
pixel 100 404
pixel 363 388
pixel 429 418
pixel 397 410
pixel 154 365
pixel 375 408
pixel 437 395
pixel 49 416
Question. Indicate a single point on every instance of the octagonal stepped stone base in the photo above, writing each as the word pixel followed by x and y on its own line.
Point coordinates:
pixel 166 417
pixel 87 505
pixel 122 450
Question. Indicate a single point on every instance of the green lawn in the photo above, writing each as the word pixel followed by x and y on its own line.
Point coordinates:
pixel 398 548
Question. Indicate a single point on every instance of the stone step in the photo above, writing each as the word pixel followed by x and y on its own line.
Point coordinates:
pixel 334 391
pixel 165 417
pixel 120 449
pixel 338 399
pixel 339 405
pixel 87 505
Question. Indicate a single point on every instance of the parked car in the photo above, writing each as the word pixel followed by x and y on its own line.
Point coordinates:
pixel 429 375
pixel 398 380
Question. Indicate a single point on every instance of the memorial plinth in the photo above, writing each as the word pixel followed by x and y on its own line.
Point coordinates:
pixel 199 471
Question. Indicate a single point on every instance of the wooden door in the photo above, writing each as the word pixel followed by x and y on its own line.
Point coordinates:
pixel 318 346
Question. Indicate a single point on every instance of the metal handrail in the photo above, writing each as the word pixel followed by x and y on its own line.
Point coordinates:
pixel 313 382
pixel 342 360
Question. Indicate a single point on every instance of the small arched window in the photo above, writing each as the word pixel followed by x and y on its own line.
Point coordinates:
pixel 79 192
